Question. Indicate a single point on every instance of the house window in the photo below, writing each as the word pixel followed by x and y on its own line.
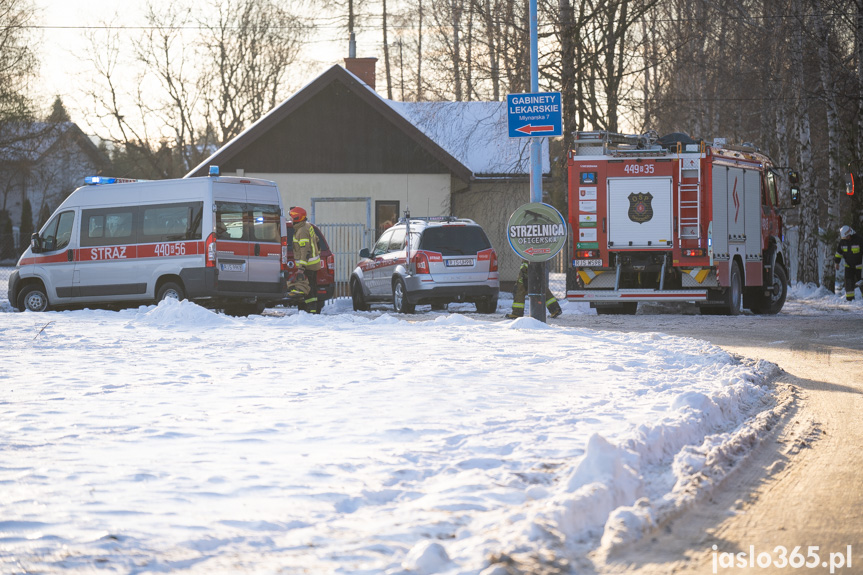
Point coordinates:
pixel 386 215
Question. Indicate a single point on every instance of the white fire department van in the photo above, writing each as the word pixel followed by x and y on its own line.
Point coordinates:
pixel 215 240
pixel 674 219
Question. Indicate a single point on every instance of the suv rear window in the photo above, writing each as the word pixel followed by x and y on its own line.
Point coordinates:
pixel 454 240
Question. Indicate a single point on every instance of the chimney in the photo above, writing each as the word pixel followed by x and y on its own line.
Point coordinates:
pixel 362 68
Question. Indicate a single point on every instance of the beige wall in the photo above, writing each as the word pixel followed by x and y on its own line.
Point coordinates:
pixel 491 205
pixel 424 194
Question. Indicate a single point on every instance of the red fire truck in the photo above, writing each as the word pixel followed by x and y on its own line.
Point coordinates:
pixel 674 219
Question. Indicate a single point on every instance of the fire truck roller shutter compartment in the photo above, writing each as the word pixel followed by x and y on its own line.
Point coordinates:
pixel 640 212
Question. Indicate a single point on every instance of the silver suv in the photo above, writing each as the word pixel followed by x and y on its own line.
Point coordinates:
pixel 428 261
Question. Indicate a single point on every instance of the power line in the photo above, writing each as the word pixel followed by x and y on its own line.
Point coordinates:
pixel 546 25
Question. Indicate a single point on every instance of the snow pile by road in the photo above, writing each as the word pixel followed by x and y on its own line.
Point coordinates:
pixel 169 438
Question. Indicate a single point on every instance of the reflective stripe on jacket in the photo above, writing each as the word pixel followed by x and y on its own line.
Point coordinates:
pixel 851 250
pixel 307 252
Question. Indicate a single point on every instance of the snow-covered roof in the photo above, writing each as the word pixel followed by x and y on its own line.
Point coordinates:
pixel 466 136
pixel 475 133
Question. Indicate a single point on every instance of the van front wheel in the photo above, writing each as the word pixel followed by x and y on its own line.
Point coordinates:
pixel 33 298
pixel 170 290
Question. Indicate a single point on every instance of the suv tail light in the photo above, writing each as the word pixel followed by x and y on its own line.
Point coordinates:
pixel 284 253
pixel 331 263
pixel 421 263
pixel 210 248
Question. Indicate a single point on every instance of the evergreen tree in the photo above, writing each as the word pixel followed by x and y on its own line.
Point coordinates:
pixel 26 228
pixel 44 215
pixel 7 240
pixel 58 112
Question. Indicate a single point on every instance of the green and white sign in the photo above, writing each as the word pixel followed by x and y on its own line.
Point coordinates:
pixel 536 232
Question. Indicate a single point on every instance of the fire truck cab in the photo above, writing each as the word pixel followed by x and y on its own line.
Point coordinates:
pixel 674 219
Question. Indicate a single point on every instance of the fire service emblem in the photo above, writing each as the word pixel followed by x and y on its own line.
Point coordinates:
pixel 640 210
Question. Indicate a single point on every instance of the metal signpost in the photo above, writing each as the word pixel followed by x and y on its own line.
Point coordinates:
pixel 535 115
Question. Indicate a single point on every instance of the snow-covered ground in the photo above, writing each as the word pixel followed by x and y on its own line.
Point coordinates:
pixel 170 438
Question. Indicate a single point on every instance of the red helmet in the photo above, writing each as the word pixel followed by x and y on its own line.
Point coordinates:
pixel 297 214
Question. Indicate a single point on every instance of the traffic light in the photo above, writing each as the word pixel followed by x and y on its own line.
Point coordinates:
pixel 794 180
pixel 849 184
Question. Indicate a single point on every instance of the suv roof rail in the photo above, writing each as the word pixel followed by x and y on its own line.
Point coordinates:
pixel 435 219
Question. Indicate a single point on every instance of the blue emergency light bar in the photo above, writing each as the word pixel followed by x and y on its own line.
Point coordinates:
pixel 98 180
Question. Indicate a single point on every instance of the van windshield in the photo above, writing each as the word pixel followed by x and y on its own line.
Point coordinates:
pixel 455 240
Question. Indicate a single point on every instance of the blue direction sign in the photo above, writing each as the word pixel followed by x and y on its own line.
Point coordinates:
pixel 534 115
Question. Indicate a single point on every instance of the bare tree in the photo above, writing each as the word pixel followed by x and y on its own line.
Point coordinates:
pixel 18 62
pixel 200 82
pixel 252 44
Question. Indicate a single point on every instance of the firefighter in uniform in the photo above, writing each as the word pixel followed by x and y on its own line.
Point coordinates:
pixel 307 257
pixel 520 294
pixel 849 249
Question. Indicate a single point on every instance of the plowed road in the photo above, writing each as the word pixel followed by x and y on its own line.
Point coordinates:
pixel 801 487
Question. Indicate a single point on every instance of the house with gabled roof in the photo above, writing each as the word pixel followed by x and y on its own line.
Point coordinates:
pixel 350 156
pixel 43 162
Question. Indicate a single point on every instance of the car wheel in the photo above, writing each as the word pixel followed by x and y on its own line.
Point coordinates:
pixel 400 298
pixel 170 290
pixel 33 298
pixel 357 298
pixel 486 305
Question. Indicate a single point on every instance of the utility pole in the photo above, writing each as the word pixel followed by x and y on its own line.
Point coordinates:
pixel 535 270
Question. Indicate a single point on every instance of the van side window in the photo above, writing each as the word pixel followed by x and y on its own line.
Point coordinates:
pixel 171 222
pixel 95 226
pixel 108 227
pixel 265 223
pixel 229 221
pixel 119 226
pixel 58 232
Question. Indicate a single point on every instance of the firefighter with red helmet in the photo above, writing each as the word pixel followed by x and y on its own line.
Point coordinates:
pixel 307 257
pixel 850 249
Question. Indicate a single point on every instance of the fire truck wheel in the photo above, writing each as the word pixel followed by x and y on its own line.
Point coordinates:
pixel 771 304
pixel 734 293
pixel 33 298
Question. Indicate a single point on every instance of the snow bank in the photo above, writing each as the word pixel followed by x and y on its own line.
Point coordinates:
pixel 171 313
pixel 171 438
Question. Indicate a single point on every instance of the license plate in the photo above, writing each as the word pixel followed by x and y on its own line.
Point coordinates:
pixel 232 267
pixel 459 263
pixel 587 263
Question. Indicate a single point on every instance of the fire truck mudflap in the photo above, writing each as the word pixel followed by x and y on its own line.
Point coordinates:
pixel 676 220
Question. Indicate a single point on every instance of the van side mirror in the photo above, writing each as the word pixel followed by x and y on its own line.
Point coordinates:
pixel 365 254
pixel 35 243
pixel 794 181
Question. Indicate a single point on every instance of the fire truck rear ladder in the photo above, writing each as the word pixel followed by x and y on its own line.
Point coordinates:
pixel 689 199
